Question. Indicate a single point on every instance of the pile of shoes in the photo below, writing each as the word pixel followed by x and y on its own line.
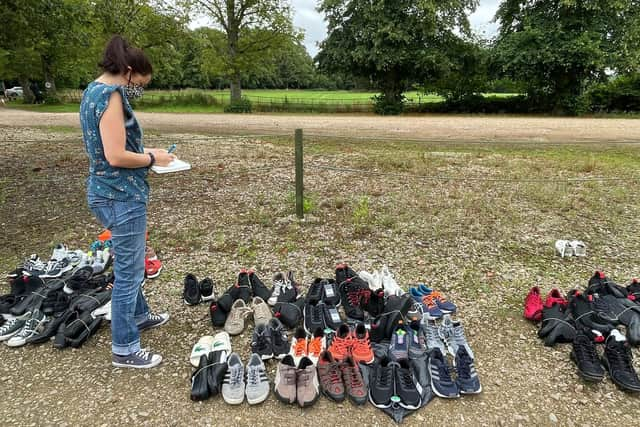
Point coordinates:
pixel 590 318
pixel 63 299
pixel 358 336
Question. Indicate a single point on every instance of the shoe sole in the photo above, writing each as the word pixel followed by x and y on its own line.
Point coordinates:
pixel 472 392
pixel 153 276
pixel 266 356
pixel 337 399
pixel 283 399
pixel 10 344
pixel 585 376
pixel 7 337
pixel 377 405
pixel 231 401
pixel 123 365
pixel 258 399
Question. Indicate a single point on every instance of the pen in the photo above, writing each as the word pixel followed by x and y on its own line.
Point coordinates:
pixel 172 148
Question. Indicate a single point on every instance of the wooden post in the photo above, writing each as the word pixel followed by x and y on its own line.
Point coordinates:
pixel 299 172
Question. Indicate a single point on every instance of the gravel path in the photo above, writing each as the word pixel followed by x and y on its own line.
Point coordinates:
pixel 431 127
pixel 483 244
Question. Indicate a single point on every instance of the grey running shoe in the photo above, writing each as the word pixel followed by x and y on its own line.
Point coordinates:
pixel 257 389
pixel 285 383
pixel 452 334
pixel 32 327
pixel 261 311
pixel 307 382
pixel 433 338
pixel 153 321
pixel 142 359
pixel 235 322
pixel 11 328
pixel 233 384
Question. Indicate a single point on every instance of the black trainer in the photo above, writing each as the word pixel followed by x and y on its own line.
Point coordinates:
pixel 330 292
pixel 557 325
pixel 344 272
pixel 279 341
pixel 331 317
pixel 217 369
pixel 288 313
pixel 313 317
pixel 381 385
pixel 586 358
pixel 314 293
pixel 617 360
pixel 582 310
pixel 243 287
pixel 374 303
pixel 218 315
pixel 206 289
pixel 352 291
pixel 261 342
pixel 258 287
pixel 191 290
pixel 407 388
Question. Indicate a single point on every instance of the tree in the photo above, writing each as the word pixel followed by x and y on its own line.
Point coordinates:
pixel 252 28
pixel 557 48
pixel 392 43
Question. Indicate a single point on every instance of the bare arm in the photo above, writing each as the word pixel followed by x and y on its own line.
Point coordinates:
pixel 114 138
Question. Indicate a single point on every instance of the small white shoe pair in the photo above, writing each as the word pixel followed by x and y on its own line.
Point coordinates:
pixel 567 248
pixel 382 279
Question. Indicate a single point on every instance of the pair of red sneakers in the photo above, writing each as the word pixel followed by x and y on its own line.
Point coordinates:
pixel 533 303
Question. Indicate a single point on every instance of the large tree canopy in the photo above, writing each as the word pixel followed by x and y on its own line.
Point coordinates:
pixel 558 47
pixel 391 43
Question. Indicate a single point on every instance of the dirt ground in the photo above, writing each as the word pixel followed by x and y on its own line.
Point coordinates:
pixel 426 127
pixel 481 228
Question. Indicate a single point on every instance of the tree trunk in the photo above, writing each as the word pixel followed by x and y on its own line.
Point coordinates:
pixel 50 84
pixel 233 34
pixel 27 94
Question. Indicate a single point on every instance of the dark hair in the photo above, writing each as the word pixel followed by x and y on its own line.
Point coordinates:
pixel 118 56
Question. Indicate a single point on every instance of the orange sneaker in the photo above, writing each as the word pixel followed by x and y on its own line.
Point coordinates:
pixel 299 346
pixel 361 350
pixel 316 345
pixel 341 343
pixel 433 311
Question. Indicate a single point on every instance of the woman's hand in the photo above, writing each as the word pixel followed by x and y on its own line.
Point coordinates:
pixel 163 158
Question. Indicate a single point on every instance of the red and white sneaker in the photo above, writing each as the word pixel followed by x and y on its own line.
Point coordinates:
pixel 533 305
pixel 152 268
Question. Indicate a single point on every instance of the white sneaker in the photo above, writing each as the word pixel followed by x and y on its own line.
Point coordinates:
pixel 59 252
pixel 564 248
pixel 368 277
pixel 104 311
pixel 377 280
pixel 389 283
pixel 579 248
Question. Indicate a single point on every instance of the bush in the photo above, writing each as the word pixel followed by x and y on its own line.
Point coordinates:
pixel 619 95
pixel 242 106
pixel 478 104
pixel 388 107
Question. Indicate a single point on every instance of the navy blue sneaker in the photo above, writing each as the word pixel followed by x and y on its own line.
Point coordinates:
pixel 153 321
pixel 444 305
pixel 468 381
pixel 399 345
pixel 429 304
pixel 441 382
pixel 416 340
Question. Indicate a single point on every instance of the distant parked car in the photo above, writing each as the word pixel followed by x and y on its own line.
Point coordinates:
pixel 14 93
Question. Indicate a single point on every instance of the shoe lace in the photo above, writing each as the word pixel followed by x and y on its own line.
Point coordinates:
pixel 620 357
pixel 154 317
pixel 584 350
pixel 300 348
pixel 458 334
pixel 262 341
pixel 445 371
pixel 406 379
pixel 355 380
pixel 29 327
pixel 253 376
pixel 335 376
pixel 364 296
pixel 143 354
pixel 361 345
pixel 304 377
pixel 4 329
pixel 385 377
pixel 341 345
pixel 463 365
pixel 278 286
pixel 429 300
pixel 438 296
pixel 241 313
pixel 315 346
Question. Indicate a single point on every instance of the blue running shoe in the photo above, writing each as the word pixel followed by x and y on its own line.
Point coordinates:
pixel 441 382
pixel 429 305
pixel 399 345
pixel 444 305
pixel 468 381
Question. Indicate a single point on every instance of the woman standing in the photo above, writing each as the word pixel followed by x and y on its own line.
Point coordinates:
pixel 118 192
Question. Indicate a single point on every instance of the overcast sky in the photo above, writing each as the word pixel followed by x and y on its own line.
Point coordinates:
pixel 306 17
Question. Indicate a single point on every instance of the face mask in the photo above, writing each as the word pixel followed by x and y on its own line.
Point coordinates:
pixel 133 90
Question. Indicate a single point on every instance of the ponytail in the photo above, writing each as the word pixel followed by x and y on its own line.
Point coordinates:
pixel 118 56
